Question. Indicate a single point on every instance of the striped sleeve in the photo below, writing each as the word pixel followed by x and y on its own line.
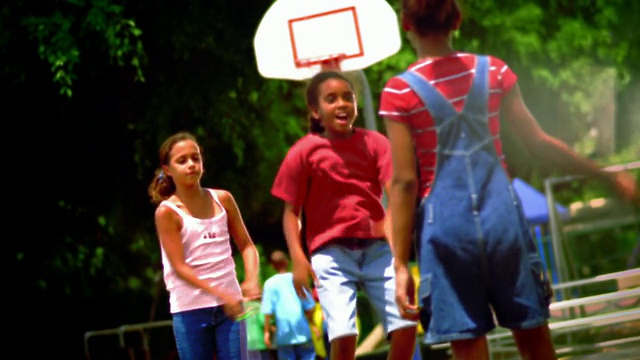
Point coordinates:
pixel 397 101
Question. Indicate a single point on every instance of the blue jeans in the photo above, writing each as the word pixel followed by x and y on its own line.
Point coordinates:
pixel 297 352
pixel 259 355
pixel 202 333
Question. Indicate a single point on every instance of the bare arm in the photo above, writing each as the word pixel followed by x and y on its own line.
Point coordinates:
pixel 168 226
pixel 267 330
pixel 291 228
pixel 240 235
pixel 403 195
pixel 403 190
pixel 301 268
pixel 548 149
pixel 388 233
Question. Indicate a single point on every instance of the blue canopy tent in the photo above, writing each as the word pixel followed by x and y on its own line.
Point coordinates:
pixel 536 210
pixel 534 203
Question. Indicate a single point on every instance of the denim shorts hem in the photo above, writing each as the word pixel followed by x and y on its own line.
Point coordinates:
pixel 432 340
pixel 528 324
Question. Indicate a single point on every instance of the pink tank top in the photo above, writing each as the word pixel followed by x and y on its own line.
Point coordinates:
pixel 207 250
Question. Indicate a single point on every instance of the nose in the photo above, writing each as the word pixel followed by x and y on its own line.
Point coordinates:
pixel 342 103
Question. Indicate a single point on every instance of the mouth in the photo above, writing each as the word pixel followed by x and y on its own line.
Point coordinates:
pixel 342 117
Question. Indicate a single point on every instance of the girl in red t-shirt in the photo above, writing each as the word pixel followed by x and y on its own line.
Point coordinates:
pixel 336 175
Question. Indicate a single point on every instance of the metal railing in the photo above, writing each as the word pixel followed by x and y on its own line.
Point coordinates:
pixel 555 223
pixel 121 331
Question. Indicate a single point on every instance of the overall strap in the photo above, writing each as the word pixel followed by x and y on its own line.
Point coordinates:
pixel 439 107
pixel 478 97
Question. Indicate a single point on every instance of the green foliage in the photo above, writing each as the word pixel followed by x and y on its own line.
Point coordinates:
pixel 58 33
pixel 558 45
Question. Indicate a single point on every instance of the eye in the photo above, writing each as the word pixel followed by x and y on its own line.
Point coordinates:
pixel 331 98
pixel 349 96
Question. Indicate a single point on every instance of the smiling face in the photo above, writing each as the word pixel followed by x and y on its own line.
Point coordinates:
pixel 336 109
pixel 185 163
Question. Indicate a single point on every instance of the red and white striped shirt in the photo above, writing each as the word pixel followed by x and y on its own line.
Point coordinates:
pixel 452 76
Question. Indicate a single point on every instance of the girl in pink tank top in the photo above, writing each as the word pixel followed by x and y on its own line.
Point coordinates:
pixel 194 226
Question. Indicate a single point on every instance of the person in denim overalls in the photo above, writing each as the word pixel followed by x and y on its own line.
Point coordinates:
pixel 471 227
pixel 477 259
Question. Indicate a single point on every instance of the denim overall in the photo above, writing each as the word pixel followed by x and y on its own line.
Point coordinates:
pixel 475 250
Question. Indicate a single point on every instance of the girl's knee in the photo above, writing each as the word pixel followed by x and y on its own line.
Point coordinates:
pixel 405 335
pixel 475 348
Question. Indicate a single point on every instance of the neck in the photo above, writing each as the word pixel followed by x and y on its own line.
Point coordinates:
pixel 433 46
pixel 338 135
pixel 189 193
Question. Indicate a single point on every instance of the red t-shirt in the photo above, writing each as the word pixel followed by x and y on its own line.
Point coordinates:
pixel 452 76
pixel 338 183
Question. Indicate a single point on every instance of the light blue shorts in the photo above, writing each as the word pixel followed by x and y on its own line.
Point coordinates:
pixel 342 272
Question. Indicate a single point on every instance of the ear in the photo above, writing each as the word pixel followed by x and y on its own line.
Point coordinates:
pixel 313 111
pixel 165 169
pixel 406 26
pixel 458 23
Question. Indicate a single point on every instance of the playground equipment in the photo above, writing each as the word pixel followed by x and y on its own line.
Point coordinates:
pixel 298 38
pixel 126 349
pixel 594 216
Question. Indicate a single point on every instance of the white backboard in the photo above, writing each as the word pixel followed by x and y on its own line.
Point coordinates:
pixel 294 36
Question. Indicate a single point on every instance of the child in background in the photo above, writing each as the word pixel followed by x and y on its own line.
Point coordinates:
pixel 258 350
pixel 336 175
pixel 476 255
pixel 293 315
pixel 194 226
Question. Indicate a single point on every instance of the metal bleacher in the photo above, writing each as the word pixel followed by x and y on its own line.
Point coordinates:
pixel 597 325
pixel 595 317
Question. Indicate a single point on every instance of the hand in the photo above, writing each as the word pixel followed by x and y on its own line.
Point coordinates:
pixel 301 272
pixel 233 308
pixel 267 339
pixel 627 187
pixel 250 290
pixel 405 293
pixel 315 331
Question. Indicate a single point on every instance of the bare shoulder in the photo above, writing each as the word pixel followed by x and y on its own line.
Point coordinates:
pixel 225 197
pixel 164 212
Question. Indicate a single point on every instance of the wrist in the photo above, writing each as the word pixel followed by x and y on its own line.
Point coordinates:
pixel 299 259
pixel 400 263
pixel 251 280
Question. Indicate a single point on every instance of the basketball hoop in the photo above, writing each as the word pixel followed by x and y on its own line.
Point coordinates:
pixel 329 62
pixel 297 38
